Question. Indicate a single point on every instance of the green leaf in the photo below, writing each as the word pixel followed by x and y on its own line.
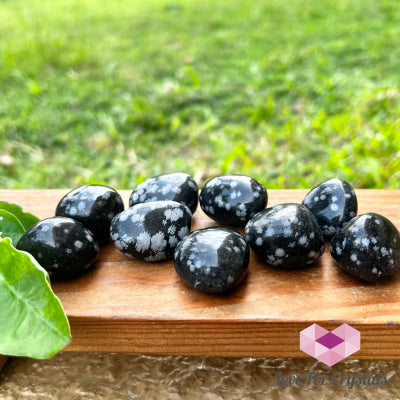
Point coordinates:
pixel 32 320
pixel 26 219
pixel 10 226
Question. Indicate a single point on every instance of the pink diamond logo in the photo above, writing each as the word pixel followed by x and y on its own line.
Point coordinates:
pixel 329 347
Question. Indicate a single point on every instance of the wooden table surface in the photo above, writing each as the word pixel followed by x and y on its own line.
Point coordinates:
pixel 130 306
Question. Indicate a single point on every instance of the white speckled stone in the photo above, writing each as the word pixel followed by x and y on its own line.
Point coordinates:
pixel 94 206
pixel 62 246
pixel 176 186
pixel 212 260
pixel 333 203
pixel 232 199
pixel 286 236
pixel 368 247
pixel 150 231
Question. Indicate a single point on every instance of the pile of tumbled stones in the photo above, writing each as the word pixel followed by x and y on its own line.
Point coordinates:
pixel 157 225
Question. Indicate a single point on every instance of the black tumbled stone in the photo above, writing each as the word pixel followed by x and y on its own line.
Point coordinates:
pixel 368 247
pixel 333 203
pixel 212 260
pixel 94 206
pixel 232 199
pixel 150 231
pixel 176 186
pixel 286 236
pixel 62 246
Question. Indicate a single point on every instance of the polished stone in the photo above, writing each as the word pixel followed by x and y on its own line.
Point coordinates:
pixel 333 203
pixel 212 260
pixel 150 231
pixel 94 206
pixel 368 247
pixel 232 199
pixel 286 236
pixel 176 186
pixel 62 246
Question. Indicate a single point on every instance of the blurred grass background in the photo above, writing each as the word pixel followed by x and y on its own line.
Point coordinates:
pixel 291 93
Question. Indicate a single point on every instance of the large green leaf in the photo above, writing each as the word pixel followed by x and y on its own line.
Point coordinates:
pixel 26 219
pixel 10 226
pixel 32 320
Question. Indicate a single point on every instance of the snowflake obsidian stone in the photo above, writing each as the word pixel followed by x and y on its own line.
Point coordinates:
pixel 94 206
pixel 368 247
pixel 212 260
pixel 62 246
pixel 175 186
pixel 333 203
pixel 150 231
pixel 286 236
pixel 232 199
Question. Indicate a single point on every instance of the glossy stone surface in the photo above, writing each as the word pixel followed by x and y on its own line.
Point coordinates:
pixel 368 247
pixel 150 231
pixel 286 236
pixel 62 246
pixel 232 199
pixel 212 260
pixel 333 203
pixel 176 186
pixel 94 206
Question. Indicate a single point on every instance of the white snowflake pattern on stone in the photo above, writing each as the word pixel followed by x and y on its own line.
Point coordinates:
pixel 287 232
pixel 241 211
pixel 270 231
pixel 173 214
pixel 384 251
pixel 114 235
pixel 157 257
pixel 135 197
pixel 142 242
pixel 172 241
pixel 166 189
pixel 137 218
pixel 123 216
pixel 183 232
pixel 219 201
pixel 158 242
pixel 334 207
pixel 73 211
pixel 303 240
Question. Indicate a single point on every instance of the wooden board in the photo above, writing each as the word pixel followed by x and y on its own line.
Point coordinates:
pixel 129 306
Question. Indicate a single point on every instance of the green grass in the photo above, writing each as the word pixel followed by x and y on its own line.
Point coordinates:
pixel 291 93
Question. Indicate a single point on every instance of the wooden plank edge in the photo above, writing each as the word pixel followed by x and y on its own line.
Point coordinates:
pixel 3 360
pixel 224 339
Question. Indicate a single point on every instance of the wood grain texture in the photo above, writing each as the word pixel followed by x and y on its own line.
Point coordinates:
pixel 123 305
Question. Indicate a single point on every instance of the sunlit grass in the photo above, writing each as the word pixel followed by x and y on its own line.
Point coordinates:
pixel 291 93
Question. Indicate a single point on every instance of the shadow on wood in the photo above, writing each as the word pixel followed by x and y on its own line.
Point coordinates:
pixel 3 360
